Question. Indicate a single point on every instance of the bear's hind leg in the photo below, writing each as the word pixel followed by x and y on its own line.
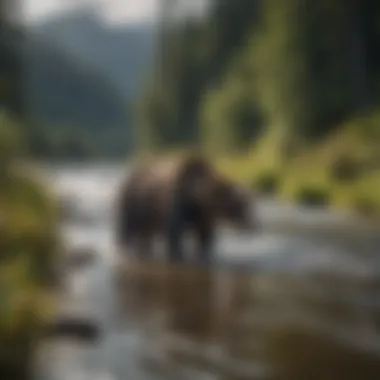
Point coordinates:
pixel 144 244
pixel 176 226
pixel 206 239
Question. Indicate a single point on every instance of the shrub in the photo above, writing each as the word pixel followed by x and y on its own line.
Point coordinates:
pixel 313 196
pixel 266 183
pixel 345 169
pixel 366 207
pixel 28 249
pixel 11 141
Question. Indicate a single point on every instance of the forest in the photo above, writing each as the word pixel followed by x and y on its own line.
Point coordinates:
pixel 29 241
pixel 283 94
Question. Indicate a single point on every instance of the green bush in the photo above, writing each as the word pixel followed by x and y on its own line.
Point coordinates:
pixel 266 183
pixel 29 246
pixel 366 207
pixel 313 196
pixel 345 169
pixel 28 250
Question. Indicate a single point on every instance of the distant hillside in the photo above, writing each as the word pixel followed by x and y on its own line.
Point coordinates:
pixel 84 74
pixel 62 91
pixel 122 54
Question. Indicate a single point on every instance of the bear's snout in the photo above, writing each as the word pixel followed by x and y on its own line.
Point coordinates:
pixel 241 211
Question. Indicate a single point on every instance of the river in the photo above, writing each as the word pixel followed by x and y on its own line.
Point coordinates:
pixel 301 297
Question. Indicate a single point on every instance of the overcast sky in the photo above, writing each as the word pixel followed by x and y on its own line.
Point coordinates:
pixel 115 11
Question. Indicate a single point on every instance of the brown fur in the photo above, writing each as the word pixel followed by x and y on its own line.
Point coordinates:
pixel 169 197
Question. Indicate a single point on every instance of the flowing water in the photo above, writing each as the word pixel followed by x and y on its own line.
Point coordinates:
pixel 299 300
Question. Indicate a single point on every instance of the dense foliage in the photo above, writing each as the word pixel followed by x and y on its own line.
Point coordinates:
pixel 28 227
pixel 29 246
pixel 289 86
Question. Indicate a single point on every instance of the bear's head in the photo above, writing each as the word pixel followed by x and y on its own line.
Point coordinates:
pixel 235 205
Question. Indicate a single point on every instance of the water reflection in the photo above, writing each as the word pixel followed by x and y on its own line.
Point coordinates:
pixel 231 325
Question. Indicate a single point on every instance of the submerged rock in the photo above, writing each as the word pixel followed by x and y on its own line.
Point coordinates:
pixel 79 258
pixel 74 327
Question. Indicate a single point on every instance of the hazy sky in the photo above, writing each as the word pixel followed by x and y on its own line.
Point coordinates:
pixel 128 10
pixel 112 10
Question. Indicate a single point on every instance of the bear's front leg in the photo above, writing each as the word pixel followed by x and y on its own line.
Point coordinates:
pixel 175 247
pixel 144 245
pixel 206 240
pixel 128 224
pixel 175 230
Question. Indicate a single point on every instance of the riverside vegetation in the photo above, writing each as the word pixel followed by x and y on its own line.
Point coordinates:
pixel 29 246
pixel 284 95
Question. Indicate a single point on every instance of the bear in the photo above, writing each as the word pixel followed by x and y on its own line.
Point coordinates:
pixel 170 197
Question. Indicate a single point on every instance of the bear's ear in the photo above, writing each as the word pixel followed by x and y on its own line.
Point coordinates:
pixel 195 166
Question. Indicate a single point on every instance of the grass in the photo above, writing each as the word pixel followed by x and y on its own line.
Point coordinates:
pixel 336 172
pixel 313 196
pixel 28 249
pixel 266 183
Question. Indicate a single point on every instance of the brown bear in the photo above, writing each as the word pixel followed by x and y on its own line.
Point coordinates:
pixel 170 197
